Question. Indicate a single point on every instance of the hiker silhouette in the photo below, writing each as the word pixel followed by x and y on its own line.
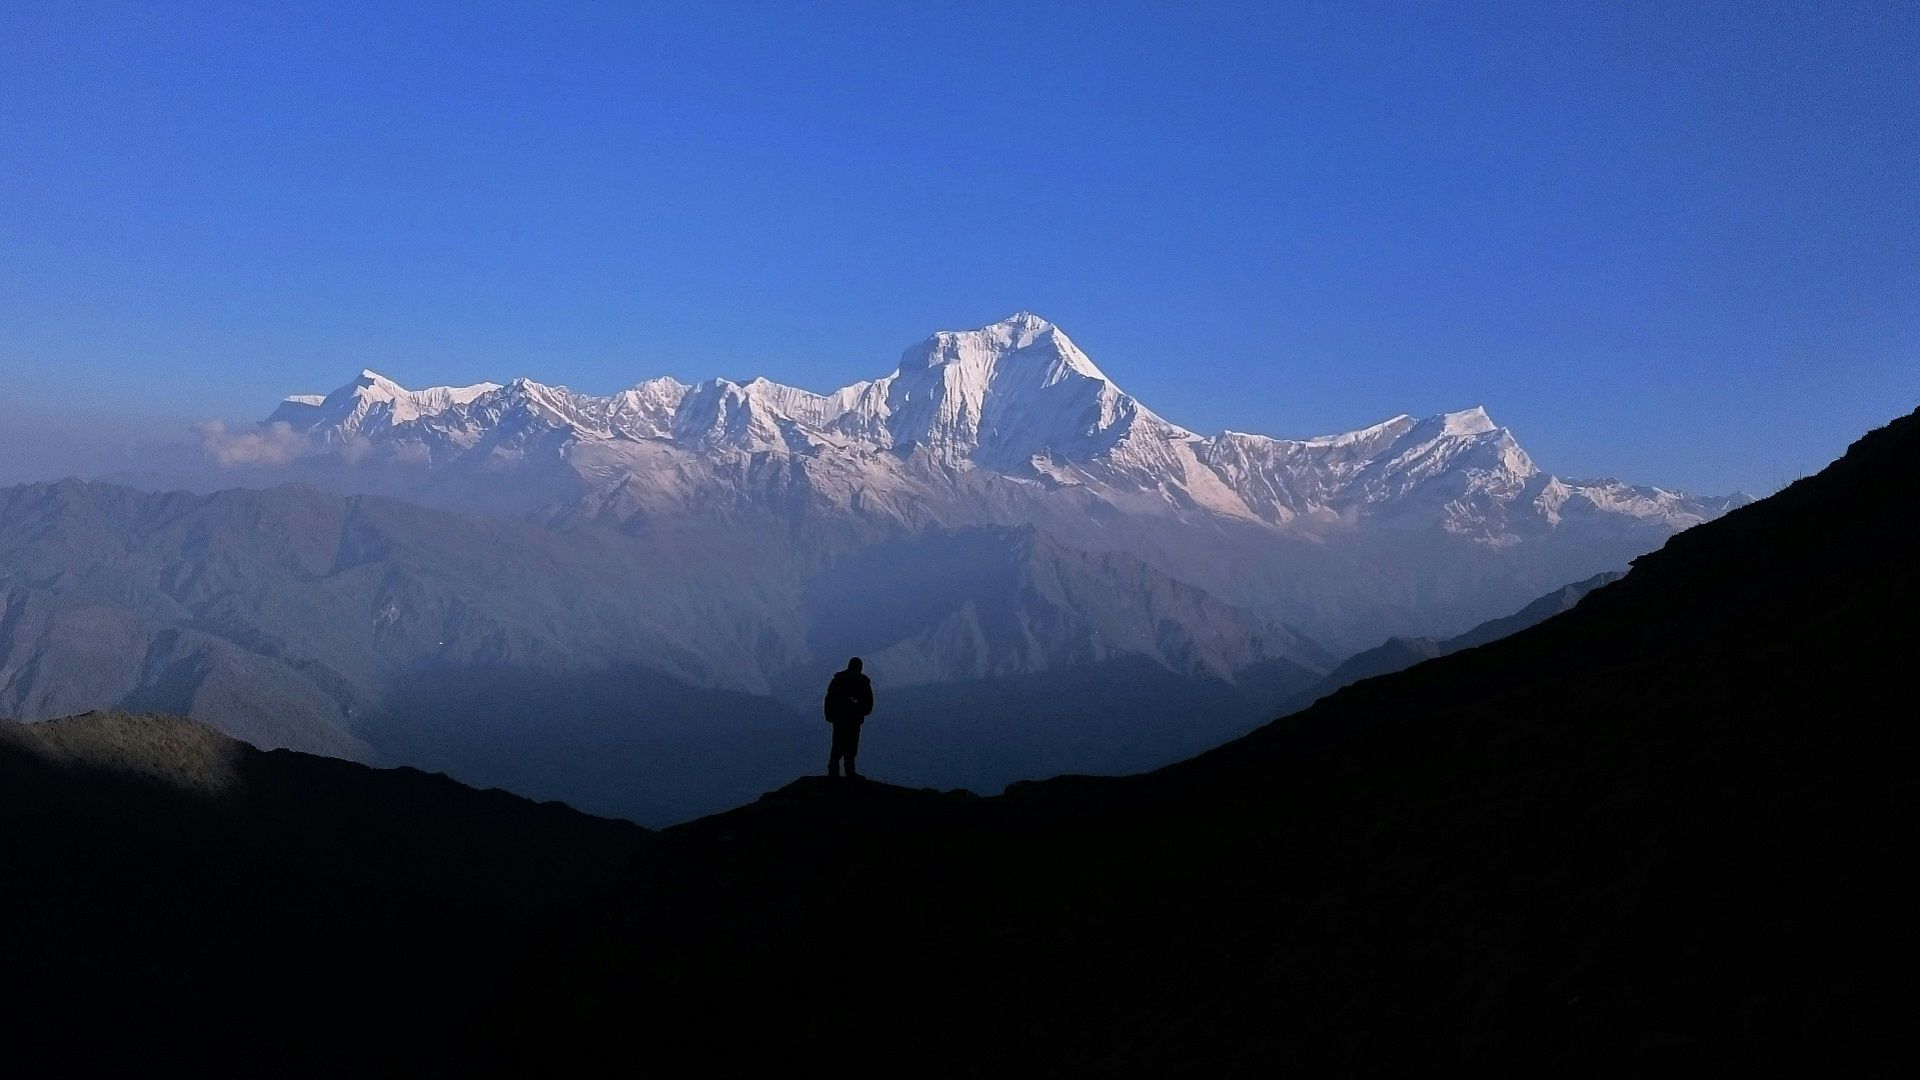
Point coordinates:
pixel 849 700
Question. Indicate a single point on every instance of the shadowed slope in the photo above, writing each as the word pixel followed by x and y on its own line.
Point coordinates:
pixel 1664 832
pixel 172 891
pixel 1401 653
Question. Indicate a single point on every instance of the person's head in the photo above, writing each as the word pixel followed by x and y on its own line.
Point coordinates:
pixel 853 664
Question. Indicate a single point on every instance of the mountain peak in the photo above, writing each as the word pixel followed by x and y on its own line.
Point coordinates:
pixel 371 398
pixel 1474 421
pixel 382 387
pixel 1392 427
pixel 1022 320
pixel 986 346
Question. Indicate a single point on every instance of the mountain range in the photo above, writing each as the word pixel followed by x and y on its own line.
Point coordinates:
pixel 581 664
pixel 1017 398
pixel 632 601
pixel 1663 832
pixel 1409 526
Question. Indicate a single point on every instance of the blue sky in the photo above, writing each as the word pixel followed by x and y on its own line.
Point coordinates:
pixel 1675 243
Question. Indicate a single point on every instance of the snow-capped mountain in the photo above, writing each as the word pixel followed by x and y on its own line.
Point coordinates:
pixel 1031 559
pixel 1408 527
pixel 1017 399
pixel 371 402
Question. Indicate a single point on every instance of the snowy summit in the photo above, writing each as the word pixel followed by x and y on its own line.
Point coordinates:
pixel 1015 399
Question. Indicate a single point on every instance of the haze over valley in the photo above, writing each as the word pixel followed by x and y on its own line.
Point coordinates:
pixel 631 602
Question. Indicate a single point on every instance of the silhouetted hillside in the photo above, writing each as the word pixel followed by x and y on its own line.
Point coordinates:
pixel 1666 832
pixel 1401 653
pixel 170 891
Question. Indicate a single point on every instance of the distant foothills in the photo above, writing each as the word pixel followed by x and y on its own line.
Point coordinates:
pixel 632 602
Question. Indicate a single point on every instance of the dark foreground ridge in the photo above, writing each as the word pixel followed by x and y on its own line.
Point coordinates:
pixel 171 893
pixel 1666 832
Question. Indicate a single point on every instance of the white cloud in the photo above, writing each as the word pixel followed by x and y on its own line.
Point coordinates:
pixel 261 446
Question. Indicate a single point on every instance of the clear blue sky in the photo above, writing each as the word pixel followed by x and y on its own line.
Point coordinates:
pixel 1679 243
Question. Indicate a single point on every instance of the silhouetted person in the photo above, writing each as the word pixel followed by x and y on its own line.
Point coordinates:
pixel 849 700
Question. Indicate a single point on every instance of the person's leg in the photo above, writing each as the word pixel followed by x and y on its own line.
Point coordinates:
pixel 853 748
pixel 839 753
